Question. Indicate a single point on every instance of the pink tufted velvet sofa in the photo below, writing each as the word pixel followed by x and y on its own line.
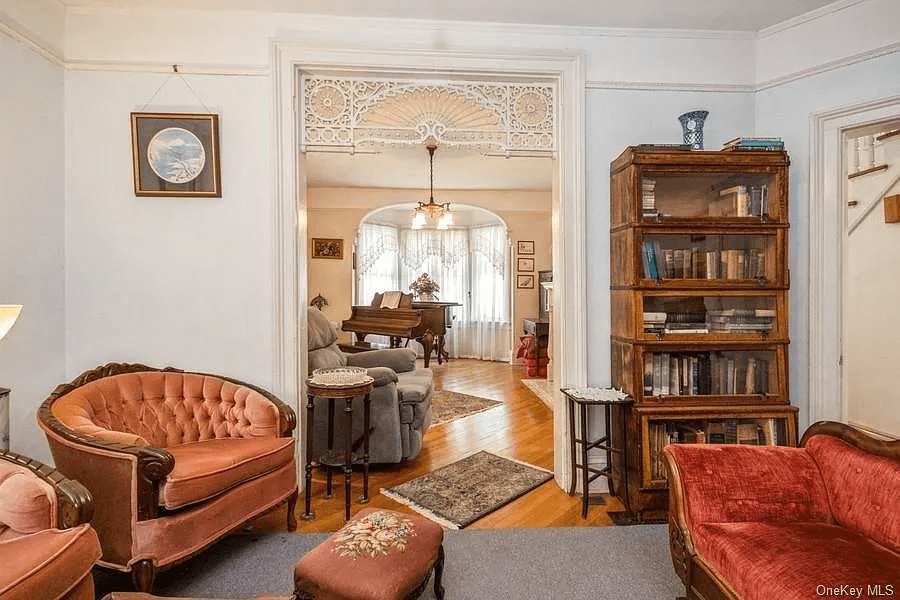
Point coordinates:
pixel 47 547
pixel 174 460
pixel 765 523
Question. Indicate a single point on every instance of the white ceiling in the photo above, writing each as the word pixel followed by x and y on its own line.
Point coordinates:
pixel 725 15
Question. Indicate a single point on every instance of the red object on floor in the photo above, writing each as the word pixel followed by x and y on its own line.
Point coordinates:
pixel 536 371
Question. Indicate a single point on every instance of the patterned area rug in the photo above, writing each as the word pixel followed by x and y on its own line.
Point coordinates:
pixel 459 494
pixel 448 406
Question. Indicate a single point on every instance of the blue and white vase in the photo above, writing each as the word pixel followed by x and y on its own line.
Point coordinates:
pixel 692 128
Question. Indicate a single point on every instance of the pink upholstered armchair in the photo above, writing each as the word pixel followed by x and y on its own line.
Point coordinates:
pixel 47 547
pixel 174 460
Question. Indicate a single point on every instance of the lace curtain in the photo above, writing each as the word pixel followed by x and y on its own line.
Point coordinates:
pixel 378 268
pixel 471 267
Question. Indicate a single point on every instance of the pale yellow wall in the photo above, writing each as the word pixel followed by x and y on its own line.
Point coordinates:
pixel 337 212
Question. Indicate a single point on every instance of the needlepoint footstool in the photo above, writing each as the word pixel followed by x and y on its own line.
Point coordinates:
pixel 377 555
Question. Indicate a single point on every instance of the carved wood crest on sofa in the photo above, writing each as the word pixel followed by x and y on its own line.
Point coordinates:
pixel 173 459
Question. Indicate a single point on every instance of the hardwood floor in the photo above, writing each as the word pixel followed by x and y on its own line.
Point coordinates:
pixel 521 429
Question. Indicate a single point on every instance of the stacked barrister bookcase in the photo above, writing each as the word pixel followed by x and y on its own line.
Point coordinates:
pixel 699 291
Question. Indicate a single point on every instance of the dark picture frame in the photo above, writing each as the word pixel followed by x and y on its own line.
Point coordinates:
pixel 176 154
pixel 525 264
pixel 525 247
pixel 525 282
pixel 328 248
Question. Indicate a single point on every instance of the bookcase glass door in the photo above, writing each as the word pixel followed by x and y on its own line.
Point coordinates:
pixel 725 257
pixel 697 196
pixel 755 316
pixel 712 373
pixel 762 431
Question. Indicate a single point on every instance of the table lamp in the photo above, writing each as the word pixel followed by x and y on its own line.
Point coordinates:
pixel 8 315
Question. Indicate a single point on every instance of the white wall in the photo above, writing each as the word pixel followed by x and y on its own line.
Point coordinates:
pixel 619 118
pixel 189 282
pixel 871 352
pixel 168 281
pixel 843 31
pixel 786 110
pixel 33 238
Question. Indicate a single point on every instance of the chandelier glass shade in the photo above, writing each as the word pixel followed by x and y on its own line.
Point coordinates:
pixel 438 213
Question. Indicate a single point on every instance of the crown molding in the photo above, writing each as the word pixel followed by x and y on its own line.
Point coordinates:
pixel 830 66
pixel 14 31
pixel 183 68
pixel 812 15
pixel 655 86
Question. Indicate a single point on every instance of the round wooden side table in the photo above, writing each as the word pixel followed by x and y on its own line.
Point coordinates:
pixel 331 393
pixel 583 397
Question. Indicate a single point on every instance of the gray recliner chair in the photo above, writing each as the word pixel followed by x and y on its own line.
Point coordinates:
pixel 400 401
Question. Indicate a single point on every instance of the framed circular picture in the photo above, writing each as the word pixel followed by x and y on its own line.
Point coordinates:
pixel 176 154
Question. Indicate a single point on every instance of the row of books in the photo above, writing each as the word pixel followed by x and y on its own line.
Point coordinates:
pixel 754 432
pixel 741 201
pixel 732 320
pixel 702 263
pixel 736 320
pixel 675 322
pixel 754 143
pixel 648 197
pixel 704 374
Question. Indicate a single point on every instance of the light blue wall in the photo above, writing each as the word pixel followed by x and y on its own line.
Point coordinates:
pixel 32 236
pixel 786 111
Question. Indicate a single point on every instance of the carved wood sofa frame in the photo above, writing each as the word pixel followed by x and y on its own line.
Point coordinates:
pixel 74 503
pixel 702 582
pixel 153 463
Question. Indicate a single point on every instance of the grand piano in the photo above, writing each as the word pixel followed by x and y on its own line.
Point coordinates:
pixel 425 322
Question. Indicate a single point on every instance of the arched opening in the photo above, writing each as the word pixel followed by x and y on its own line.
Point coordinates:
pixel 469 261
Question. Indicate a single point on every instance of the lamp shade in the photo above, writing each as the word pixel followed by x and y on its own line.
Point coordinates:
pixel 8 315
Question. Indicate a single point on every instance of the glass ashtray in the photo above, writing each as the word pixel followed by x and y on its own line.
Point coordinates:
pixel 341 376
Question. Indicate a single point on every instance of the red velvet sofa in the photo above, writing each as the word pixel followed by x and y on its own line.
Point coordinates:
pixel 776 523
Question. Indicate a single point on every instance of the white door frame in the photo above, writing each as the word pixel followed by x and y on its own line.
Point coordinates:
pixel 289 60
pixel 826 249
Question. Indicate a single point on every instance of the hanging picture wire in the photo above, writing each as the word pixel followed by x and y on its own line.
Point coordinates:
pixel 184 81
pixel 176 154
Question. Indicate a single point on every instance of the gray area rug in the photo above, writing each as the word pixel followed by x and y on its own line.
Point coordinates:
pixel 448 406
pixel 569 563
pixel 465 491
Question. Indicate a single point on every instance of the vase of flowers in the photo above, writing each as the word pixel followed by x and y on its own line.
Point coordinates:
pixel 424 287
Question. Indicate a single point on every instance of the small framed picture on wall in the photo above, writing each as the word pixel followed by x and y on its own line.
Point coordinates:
pixel 176 154
pixel 328 248
pixel 525 264
pixel 525 247
pixel 525 282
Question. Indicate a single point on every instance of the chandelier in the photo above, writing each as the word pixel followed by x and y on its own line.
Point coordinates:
pixel 437 213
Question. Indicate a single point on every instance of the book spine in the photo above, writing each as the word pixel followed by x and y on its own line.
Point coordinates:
pixel 651 261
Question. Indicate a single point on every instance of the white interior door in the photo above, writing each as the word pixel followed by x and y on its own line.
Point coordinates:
pixel 870 350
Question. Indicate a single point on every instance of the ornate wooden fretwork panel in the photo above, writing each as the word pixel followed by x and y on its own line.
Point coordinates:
pixel 348 113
